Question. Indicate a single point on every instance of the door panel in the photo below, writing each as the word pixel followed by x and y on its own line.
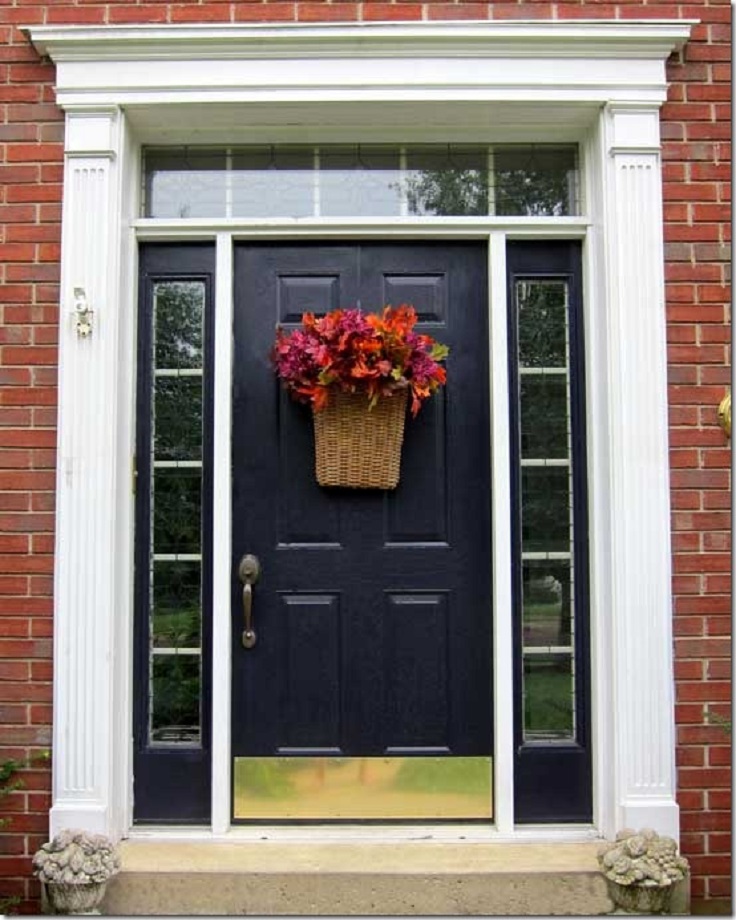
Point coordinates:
pixel 373 610
pixel 418 688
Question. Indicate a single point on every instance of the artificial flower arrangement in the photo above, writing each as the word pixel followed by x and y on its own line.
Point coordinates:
pixel 357 372
pixel 370 354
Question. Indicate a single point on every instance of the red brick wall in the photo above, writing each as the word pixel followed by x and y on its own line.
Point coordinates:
pixel 696 130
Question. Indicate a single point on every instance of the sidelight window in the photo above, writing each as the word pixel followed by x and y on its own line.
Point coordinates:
pixel 549 532
pixel 173 532
pixel 175 559
pixel 547 510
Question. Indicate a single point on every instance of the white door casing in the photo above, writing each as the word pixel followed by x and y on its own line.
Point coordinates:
pixel 599 83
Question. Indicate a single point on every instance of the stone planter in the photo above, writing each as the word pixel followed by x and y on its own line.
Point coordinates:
pixel 641 870
pixel 640 899
pixel 75 897
pixel 74 868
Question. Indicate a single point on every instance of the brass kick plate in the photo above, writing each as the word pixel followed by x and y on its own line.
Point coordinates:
pixel 362 788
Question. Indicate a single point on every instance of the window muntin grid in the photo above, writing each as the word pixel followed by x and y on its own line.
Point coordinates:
pixel 421 180
pixel 546 499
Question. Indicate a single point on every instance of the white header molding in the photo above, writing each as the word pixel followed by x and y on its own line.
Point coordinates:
pixel 533 61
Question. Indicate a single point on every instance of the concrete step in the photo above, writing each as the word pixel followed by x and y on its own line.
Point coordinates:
pixel 306 878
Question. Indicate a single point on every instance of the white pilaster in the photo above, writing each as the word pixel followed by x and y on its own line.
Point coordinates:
pixel 640 610
pixel 85 719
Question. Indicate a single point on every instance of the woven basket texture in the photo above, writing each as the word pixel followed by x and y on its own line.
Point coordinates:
pixel 356 447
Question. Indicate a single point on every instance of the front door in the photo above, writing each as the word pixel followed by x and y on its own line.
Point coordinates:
pixel 367 693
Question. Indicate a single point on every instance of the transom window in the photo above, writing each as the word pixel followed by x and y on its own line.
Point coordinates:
pixel 444 180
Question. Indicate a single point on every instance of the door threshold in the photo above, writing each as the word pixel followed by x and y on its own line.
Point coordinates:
pixel 357 833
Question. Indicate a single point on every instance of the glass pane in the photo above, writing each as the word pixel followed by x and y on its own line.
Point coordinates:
pixel 544 417
pixel 545 509
pixel 447 180
pixel 547 603
pixel 360 180
pixel 175 693
pixel 177 506
pixel 185 183
pixel 176 613
pixel 177 426
pixel 178 312
pixel 542 312
pixel 273 182
pixel 536 181
pixel 549 698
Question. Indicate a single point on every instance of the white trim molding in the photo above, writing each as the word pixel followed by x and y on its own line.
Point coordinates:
pixel 520 38
pixel 596 83
pixel 411 75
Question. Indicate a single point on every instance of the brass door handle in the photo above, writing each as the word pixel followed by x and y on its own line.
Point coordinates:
pixel 249 572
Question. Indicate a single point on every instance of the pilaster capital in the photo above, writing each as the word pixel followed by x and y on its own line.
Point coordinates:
pixel 92 132
pixel 633 128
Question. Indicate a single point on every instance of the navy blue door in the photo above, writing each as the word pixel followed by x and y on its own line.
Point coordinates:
pixel 373 609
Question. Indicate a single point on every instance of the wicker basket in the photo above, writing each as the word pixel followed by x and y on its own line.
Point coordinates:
pixel 356 447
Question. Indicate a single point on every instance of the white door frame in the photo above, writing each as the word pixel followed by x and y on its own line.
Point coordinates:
pixel 599 83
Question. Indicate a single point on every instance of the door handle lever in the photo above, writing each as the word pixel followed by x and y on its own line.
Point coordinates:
pixel 249 572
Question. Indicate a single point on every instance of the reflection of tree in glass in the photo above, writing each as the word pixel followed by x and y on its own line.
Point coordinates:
pixel 534 181
pixel 177 628
pixel 448 192
pixel 177 428
pixel 545 509
pixel 528 182
pixel 531 194
pixel 176 604
pixel 544 417
pixel 177 512
pixel 178 313
pixel 176 685
pixel 542 323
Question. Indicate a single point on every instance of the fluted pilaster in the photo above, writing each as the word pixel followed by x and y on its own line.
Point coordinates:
pixel 86 476
pixel 640 564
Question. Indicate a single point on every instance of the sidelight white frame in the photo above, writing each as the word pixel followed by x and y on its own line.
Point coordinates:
pixel 597 83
